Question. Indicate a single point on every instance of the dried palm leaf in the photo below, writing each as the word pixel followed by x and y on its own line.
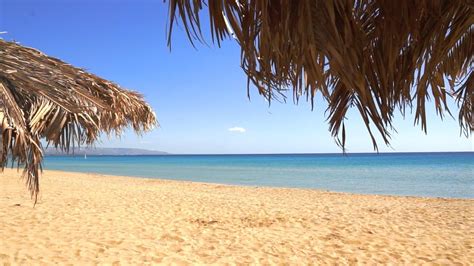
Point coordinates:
pixel 376 55
pixel 42 97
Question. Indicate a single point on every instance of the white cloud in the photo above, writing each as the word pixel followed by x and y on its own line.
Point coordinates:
pixel 237 129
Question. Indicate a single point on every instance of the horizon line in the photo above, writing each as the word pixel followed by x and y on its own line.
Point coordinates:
pixel 289 153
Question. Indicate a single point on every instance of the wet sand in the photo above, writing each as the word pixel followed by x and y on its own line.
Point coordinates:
pixel 91 218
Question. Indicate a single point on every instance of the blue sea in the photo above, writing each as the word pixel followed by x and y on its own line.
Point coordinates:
pixel 415 174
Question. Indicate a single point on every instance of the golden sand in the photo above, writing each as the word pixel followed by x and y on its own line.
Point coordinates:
pixel 91 218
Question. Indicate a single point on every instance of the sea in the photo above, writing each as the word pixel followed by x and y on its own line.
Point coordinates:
pixel 442 174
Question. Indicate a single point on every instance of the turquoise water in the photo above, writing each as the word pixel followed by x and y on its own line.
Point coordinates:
pixel 417 174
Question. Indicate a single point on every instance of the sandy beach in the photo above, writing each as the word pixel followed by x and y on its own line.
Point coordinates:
pixel 91 218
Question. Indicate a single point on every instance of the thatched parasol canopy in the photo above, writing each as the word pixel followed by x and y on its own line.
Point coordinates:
pixel 42 97
pixel 375 55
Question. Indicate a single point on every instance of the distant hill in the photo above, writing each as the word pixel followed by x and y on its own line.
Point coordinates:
pixel 102 151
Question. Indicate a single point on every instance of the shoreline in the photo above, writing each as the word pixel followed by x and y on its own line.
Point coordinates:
pixel 253 186
pixel 446 176
pixel 97 218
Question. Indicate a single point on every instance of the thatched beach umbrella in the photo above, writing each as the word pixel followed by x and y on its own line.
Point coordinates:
pixel 375 55
pixel 43 98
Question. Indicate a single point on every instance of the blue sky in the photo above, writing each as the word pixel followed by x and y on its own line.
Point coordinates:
pixel 197 94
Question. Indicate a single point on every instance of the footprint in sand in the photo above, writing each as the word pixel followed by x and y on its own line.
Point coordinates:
pixel 168 237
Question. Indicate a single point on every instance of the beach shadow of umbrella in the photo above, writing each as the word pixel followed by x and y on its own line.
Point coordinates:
pixel 44 98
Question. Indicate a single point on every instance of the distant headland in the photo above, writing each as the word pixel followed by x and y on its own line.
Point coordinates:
pixel 101 151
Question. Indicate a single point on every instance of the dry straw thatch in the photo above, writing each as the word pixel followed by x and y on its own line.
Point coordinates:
pixel 376 55
pixel 42 97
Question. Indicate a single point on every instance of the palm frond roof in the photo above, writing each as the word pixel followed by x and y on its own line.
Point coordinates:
pixel 378 56
pixel 43 98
